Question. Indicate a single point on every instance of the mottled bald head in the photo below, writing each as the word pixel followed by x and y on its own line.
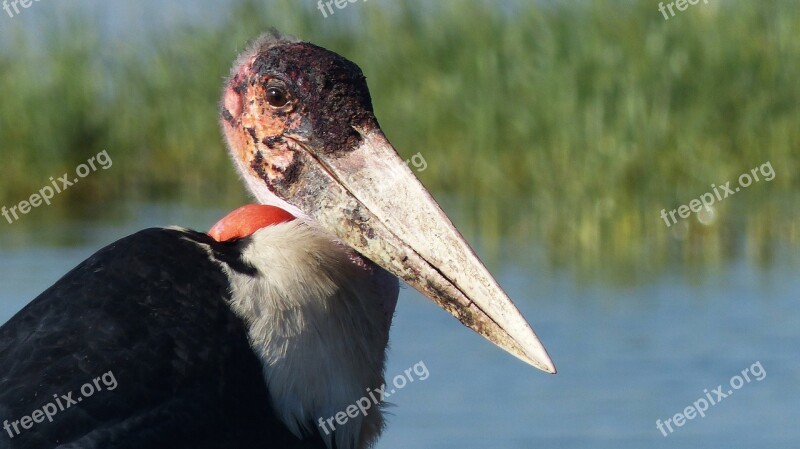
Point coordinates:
pixel 282 88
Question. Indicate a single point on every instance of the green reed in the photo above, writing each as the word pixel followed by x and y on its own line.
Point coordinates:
pixel 570 125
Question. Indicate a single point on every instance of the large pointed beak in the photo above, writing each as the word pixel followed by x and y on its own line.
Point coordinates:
pixel 373 202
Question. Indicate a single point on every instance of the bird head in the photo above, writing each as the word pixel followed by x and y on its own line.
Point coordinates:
pixel 300 128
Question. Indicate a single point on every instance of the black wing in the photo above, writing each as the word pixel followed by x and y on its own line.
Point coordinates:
pixel 137 348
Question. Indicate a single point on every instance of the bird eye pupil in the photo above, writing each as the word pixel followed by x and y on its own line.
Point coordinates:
pixel 276 97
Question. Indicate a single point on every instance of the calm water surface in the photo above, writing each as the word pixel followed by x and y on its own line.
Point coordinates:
pixel 627 356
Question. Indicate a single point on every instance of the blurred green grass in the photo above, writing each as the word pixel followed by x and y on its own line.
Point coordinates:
pixel 569 124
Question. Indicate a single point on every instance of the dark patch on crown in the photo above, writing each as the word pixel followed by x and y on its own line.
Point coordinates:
pixel 331 90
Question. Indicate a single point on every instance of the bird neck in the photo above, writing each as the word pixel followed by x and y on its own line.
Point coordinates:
pixel 318 318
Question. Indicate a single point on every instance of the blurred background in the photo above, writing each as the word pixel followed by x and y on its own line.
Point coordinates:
pixel 554 134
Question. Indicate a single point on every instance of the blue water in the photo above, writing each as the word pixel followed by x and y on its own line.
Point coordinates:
pixel 627 356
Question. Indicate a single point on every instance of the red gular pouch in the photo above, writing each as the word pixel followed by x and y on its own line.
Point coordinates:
pixel 246 220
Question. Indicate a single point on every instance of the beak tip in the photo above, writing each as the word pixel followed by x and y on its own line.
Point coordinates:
pixel 535 354
pixel 542 363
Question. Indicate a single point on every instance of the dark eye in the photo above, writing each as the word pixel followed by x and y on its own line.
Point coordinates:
pixel 277 97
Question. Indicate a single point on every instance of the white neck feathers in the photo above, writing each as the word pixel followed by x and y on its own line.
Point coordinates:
pixel 319 323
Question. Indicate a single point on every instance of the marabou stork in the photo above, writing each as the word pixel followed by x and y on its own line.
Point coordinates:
pixel 244 338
